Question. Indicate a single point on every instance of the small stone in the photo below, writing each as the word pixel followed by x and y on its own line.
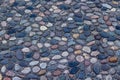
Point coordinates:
pixel 108 77
pixel 105 18
pixel 16 78
pixel 75 35
pixel 43 28
pixel 63 61
pixel 107 6
pixel 33 63
pixel 10 73
pixel 57 73
pixel 35 69
pixel 43 65
pixel 78 52
pixel 43 78
pixel 113 59
pixel 6 78
pixel 56 57
pixel 3 23
pixel 93 60
pixel 80 58
pixel 65 54
pixel 86 49
pixel 88 78
pixel 94 16
pixel 1 77
pixel 40 45
pixel 26 70
pixel 25 49
pixel 3 69
pixel 96 68
pixel 42 72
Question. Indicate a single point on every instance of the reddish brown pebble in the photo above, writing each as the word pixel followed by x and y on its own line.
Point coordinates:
pixel 6 78
pixel 106 18
pixel 113 59
pixel 57 72
pixel 108 23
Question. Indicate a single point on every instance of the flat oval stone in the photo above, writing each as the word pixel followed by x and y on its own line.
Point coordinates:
pixel 113 59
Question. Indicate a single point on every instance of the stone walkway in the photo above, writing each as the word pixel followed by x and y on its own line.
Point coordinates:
pixel 59 39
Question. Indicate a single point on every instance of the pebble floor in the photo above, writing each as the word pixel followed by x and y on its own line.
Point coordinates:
pixel 59 39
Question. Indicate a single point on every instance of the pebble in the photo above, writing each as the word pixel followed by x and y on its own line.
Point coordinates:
pixel 113 59
pixel 107 6
pixel 33 63
pixel 65 54
pixel 43 65
pixel 35 69
pixel 86 49
pixel 25 49
pixel 78 52
pixel 56 57
pixel 16 78
pixel 1 77
pixel 80 58
pixel 26 70
pixel 43 28
pixel 57 72
pixel 108 77
pixel 93 60
pixel 42 72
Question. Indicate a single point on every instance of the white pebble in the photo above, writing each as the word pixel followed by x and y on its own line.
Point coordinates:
pixel 86 49
pixel 65 53
pixel 3 69
pixel 93 60
pixel 43 28
pixel 40 45
pixel 25 49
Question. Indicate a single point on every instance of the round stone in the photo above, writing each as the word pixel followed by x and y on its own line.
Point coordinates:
pixel 40 45
pixel 65 54
pixel 80 58
pixel 35 69
pixel 43 65
pixel 93 60
pixel 43 28
pixel 86 49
